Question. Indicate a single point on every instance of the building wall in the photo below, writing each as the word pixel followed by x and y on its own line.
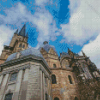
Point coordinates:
pixel 29 84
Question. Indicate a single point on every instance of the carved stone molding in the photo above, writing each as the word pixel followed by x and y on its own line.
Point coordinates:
pixel 16 69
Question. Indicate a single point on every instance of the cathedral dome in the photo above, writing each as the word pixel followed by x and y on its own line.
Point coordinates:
pixel 47 47
pixel 27 52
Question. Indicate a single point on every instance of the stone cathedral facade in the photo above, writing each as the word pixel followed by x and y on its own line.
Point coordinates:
pixel 40 74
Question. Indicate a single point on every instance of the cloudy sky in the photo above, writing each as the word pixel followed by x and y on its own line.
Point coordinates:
pixel 73 24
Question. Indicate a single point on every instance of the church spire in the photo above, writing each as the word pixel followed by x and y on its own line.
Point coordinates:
pixel 23 31
pixel 16 32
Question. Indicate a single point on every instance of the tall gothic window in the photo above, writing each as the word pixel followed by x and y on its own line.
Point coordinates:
pixel 13 77
pixel 54 79
pixel 54 65
pixel 56 98
pixel 8 96
pixel 70 79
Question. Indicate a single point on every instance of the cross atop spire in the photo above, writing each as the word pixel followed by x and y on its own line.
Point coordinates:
pixel 23 31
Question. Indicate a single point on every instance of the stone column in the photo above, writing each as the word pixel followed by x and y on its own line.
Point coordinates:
pixel 24 85
pixel 41 84
pixel 44 85
pixel 18 85
pixel 3 86
pixel 1 77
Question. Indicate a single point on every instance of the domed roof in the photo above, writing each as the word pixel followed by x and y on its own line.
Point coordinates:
pixel 29 51
pixel 47 47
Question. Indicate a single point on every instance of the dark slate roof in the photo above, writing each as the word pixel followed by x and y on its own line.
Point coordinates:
pixel 47 47
pixel 29 51
pixel 23 31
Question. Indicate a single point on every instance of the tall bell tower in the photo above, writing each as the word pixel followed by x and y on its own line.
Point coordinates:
pixel 18 43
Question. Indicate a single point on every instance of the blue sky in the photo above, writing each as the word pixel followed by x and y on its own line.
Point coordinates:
pixel 65 24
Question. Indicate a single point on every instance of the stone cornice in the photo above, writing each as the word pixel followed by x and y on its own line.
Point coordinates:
pixel 25 59
pixel 15 69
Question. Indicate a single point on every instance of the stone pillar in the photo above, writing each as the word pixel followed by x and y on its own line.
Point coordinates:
pixel 44 85
pixel 24 85
pixel 41 85
pixel 3 86
pixel 18 85
pixel 1 77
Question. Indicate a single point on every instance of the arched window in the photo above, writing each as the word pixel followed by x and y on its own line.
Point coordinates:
pixel 70 79
pixel 20 45
pixel 67 64
pixel 54 79
pixel 56 98
pixel 54 65
pixel 8 96
pixel 23 46
pixel 76 98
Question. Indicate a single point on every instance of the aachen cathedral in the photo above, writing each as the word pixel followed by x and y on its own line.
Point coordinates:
pixel 40 74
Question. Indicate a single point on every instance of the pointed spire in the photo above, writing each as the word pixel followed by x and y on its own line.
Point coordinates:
pixel 16 32
pixel 23 30
pixel 83 54
pixel 69 50
pixel 27 35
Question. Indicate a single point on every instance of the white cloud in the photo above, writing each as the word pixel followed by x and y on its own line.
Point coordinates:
pixel 92 50
pixel 84 22
pixel 42 20
pixel 5 36
pixel 41 2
